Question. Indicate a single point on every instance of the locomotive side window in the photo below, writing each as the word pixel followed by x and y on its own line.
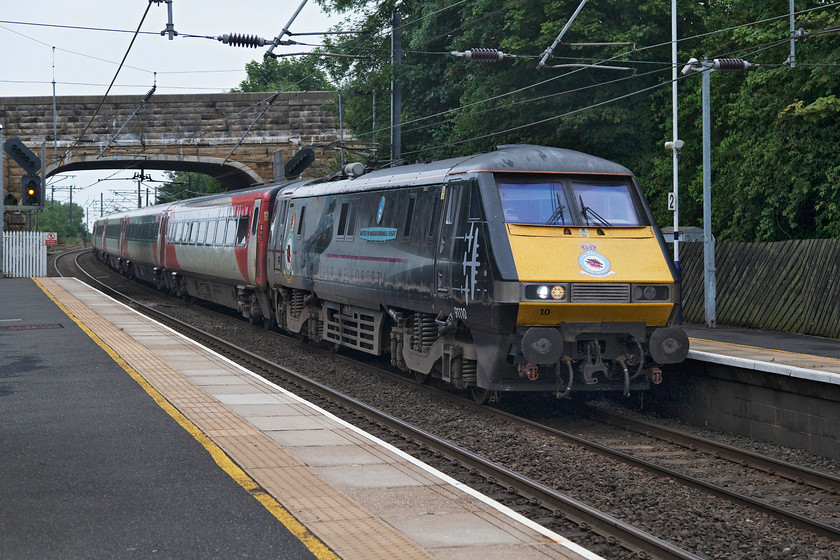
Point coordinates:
pixel 409 218
pixel 346 221
pixel 434 221
pixel 475 210
pixel 300 222
pixel 452 204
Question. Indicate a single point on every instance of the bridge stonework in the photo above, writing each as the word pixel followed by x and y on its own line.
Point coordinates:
pixel 194 132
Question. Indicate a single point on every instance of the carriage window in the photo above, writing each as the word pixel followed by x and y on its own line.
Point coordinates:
pixel 193 233
pixel 230 236
pixel 202 232
pixel 220 232
pixel 256 221
pixel 211 232
pixel 242 230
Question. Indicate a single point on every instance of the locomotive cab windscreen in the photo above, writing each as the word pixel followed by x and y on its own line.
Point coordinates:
pixel 570 202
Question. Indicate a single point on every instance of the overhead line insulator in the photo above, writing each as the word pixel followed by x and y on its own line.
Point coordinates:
pixel 149 94
pixel 482 55
pixel 731 64
pixel 242 40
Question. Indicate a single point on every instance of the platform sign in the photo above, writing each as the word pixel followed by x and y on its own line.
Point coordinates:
pixel 51 238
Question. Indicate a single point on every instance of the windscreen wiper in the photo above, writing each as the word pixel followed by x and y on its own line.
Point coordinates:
pixel 586 211
pixel 557 216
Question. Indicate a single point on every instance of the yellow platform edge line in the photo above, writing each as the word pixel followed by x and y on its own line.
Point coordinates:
pixel 312 542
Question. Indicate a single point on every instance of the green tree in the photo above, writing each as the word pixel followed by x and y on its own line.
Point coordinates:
pixel 284 74
pixel 69 226
pixel 774 129
pixel 182 185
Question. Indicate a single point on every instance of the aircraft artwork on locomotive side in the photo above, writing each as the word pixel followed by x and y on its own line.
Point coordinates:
pixel 524 269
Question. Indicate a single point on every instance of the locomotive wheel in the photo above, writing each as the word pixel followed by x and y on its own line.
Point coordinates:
pixel 481 396
pixel 421 378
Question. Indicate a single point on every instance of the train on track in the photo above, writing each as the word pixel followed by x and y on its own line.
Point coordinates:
pixel 527 268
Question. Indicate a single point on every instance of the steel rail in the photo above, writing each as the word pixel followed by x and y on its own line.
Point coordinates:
pixel 795 519
pixel 796 473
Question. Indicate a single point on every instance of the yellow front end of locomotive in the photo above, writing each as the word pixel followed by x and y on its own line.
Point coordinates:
pixel 601 275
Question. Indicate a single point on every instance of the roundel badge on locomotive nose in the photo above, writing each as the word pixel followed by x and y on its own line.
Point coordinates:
pixel 592 262
pixel 380 210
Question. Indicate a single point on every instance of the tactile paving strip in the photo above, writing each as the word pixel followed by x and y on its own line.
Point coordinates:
pixel 344 526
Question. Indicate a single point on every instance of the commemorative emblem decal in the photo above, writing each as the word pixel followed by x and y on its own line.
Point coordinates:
pixel 380 210
pixel 288 249
pixel 593 263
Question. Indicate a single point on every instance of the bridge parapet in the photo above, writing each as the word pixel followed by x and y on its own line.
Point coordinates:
pixel 191 132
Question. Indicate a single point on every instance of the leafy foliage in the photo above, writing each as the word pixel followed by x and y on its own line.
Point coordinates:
pixel 284 74
pixel 66 220
pixel 774 131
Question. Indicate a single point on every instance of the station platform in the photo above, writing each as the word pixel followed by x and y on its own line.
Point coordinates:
pixel 121 438
pixel 786 354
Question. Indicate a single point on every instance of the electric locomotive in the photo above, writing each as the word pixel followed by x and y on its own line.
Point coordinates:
pixel 527 268
pixel 524 269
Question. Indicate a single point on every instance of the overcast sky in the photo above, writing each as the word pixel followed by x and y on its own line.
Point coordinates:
pixel 85 61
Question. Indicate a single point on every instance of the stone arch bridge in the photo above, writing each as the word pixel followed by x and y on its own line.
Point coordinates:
pixel 194 132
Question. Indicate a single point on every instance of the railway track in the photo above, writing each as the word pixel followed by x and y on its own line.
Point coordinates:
pixel 611 435
pixel 527 496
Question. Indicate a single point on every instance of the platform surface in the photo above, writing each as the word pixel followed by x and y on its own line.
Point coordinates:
pixel 122 438
pixel 806 357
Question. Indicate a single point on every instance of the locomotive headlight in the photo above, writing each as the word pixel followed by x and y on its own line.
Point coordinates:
pixel 550 292
pixel 651 293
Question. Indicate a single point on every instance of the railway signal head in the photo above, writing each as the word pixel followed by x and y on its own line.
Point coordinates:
pixel 31 190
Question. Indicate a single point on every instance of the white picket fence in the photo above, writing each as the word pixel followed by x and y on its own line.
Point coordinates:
pixel 24 254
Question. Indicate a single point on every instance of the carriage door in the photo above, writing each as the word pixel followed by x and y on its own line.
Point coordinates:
pixel 443 259
pixel 255 242
pixel 161 239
